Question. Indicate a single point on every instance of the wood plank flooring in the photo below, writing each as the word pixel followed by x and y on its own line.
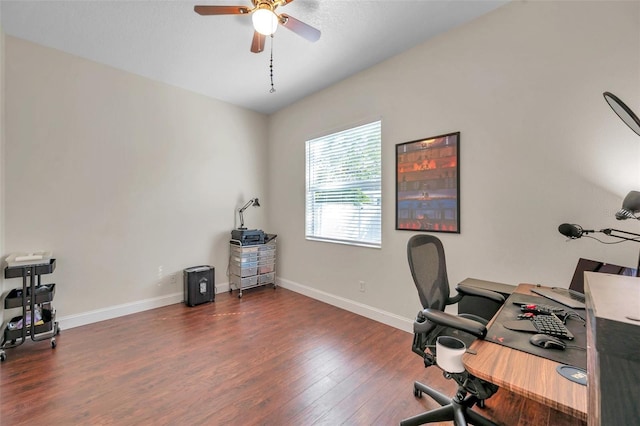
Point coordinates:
pixel 273 357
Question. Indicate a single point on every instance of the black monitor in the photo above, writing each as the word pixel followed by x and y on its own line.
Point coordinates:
pixel 588 265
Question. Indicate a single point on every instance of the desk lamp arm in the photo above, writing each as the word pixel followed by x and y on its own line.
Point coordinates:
pixel 610 232
pixel 251 202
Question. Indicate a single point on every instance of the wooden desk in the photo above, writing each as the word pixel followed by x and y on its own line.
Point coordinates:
pixel 525 374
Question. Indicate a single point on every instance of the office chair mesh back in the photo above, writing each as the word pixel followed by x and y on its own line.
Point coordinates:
pixel 429 271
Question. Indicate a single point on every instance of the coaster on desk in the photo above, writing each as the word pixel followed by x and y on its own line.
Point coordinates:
pixel 574 374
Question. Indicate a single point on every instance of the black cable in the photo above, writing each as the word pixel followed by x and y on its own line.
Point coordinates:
pixel 611 242
pixel 575 347
pixel 573 314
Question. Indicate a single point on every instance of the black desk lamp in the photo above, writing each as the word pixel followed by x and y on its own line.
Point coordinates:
pixel 630 207
pixel 252 202
pixel 623 111
pixel 631 203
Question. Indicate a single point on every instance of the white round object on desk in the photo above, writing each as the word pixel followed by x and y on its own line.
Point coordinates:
pixel 449 351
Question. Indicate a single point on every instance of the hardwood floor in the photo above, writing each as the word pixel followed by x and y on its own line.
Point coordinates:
pixel 270 358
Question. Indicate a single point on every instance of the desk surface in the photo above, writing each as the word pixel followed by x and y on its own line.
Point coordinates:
pixel 526 374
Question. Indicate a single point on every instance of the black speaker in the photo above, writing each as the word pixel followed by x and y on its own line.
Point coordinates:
pixel 199 284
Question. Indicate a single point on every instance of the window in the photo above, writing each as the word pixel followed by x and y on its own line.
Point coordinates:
pixel 343 187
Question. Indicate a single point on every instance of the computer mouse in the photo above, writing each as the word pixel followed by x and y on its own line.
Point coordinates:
pixel 547 342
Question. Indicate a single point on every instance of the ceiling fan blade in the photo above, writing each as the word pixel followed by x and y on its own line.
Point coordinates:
pixel 257 45
pixel 299 27
pixel 221 10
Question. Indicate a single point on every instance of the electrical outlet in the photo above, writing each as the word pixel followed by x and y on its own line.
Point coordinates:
pixel 174 279
pixel 363 287
pixel 160 276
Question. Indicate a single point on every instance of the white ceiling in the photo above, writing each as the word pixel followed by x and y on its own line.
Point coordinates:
pixel 167 41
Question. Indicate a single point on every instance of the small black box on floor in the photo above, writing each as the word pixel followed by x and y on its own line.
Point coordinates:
pixel 199 284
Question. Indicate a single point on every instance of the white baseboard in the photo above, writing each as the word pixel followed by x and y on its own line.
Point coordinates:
pixel 90 317
pixel 221 288
pixel 375 314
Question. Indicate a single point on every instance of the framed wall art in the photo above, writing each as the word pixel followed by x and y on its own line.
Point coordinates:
pixel 428 184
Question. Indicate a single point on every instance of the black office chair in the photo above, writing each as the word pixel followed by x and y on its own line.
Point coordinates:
pixel 429 271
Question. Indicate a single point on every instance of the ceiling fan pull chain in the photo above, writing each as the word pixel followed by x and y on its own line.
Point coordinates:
pixel 273 89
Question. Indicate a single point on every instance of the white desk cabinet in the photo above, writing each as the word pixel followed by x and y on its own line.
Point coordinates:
pixel 613 339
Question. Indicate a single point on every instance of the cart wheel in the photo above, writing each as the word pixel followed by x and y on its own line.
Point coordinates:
pixel 3 357
pixel 417 393
pixel 53 343
pixel 239 295
pixel 13 341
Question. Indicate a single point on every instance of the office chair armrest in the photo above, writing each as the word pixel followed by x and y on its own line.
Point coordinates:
pixel 480 292
pixel 453 321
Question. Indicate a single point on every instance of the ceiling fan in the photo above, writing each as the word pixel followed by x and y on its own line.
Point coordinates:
pixel 265 20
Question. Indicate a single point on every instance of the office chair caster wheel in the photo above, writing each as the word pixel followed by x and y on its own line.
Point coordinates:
pixel 53 343
pixel 417 393
pixel 3 357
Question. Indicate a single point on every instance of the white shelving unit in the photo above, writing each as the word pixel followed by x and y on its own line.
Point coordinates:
pixel 251 265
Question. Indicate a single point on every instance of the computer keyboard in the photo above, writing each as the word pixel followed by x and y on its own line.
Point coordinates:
pixel 551 325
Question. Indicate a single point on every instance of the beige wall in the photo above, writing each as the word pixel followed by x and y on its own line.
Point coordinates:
pixel 128 181
pixel 119 175
pixel 539 147
pixel 2 126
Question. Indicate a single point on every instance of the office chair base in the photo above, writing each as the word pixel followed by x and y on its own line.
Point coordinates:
pixel 456 409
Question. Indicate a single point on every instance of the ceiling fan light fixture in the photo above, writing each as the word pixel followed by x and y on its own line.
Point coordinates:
pixel 265 21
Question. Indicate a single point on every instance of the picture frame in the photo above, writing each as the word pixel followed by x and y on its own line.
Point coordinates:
pixel 428 184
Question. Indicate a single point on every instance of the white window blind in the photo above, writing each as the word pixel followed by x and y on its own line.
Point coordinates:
pixel 343 174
